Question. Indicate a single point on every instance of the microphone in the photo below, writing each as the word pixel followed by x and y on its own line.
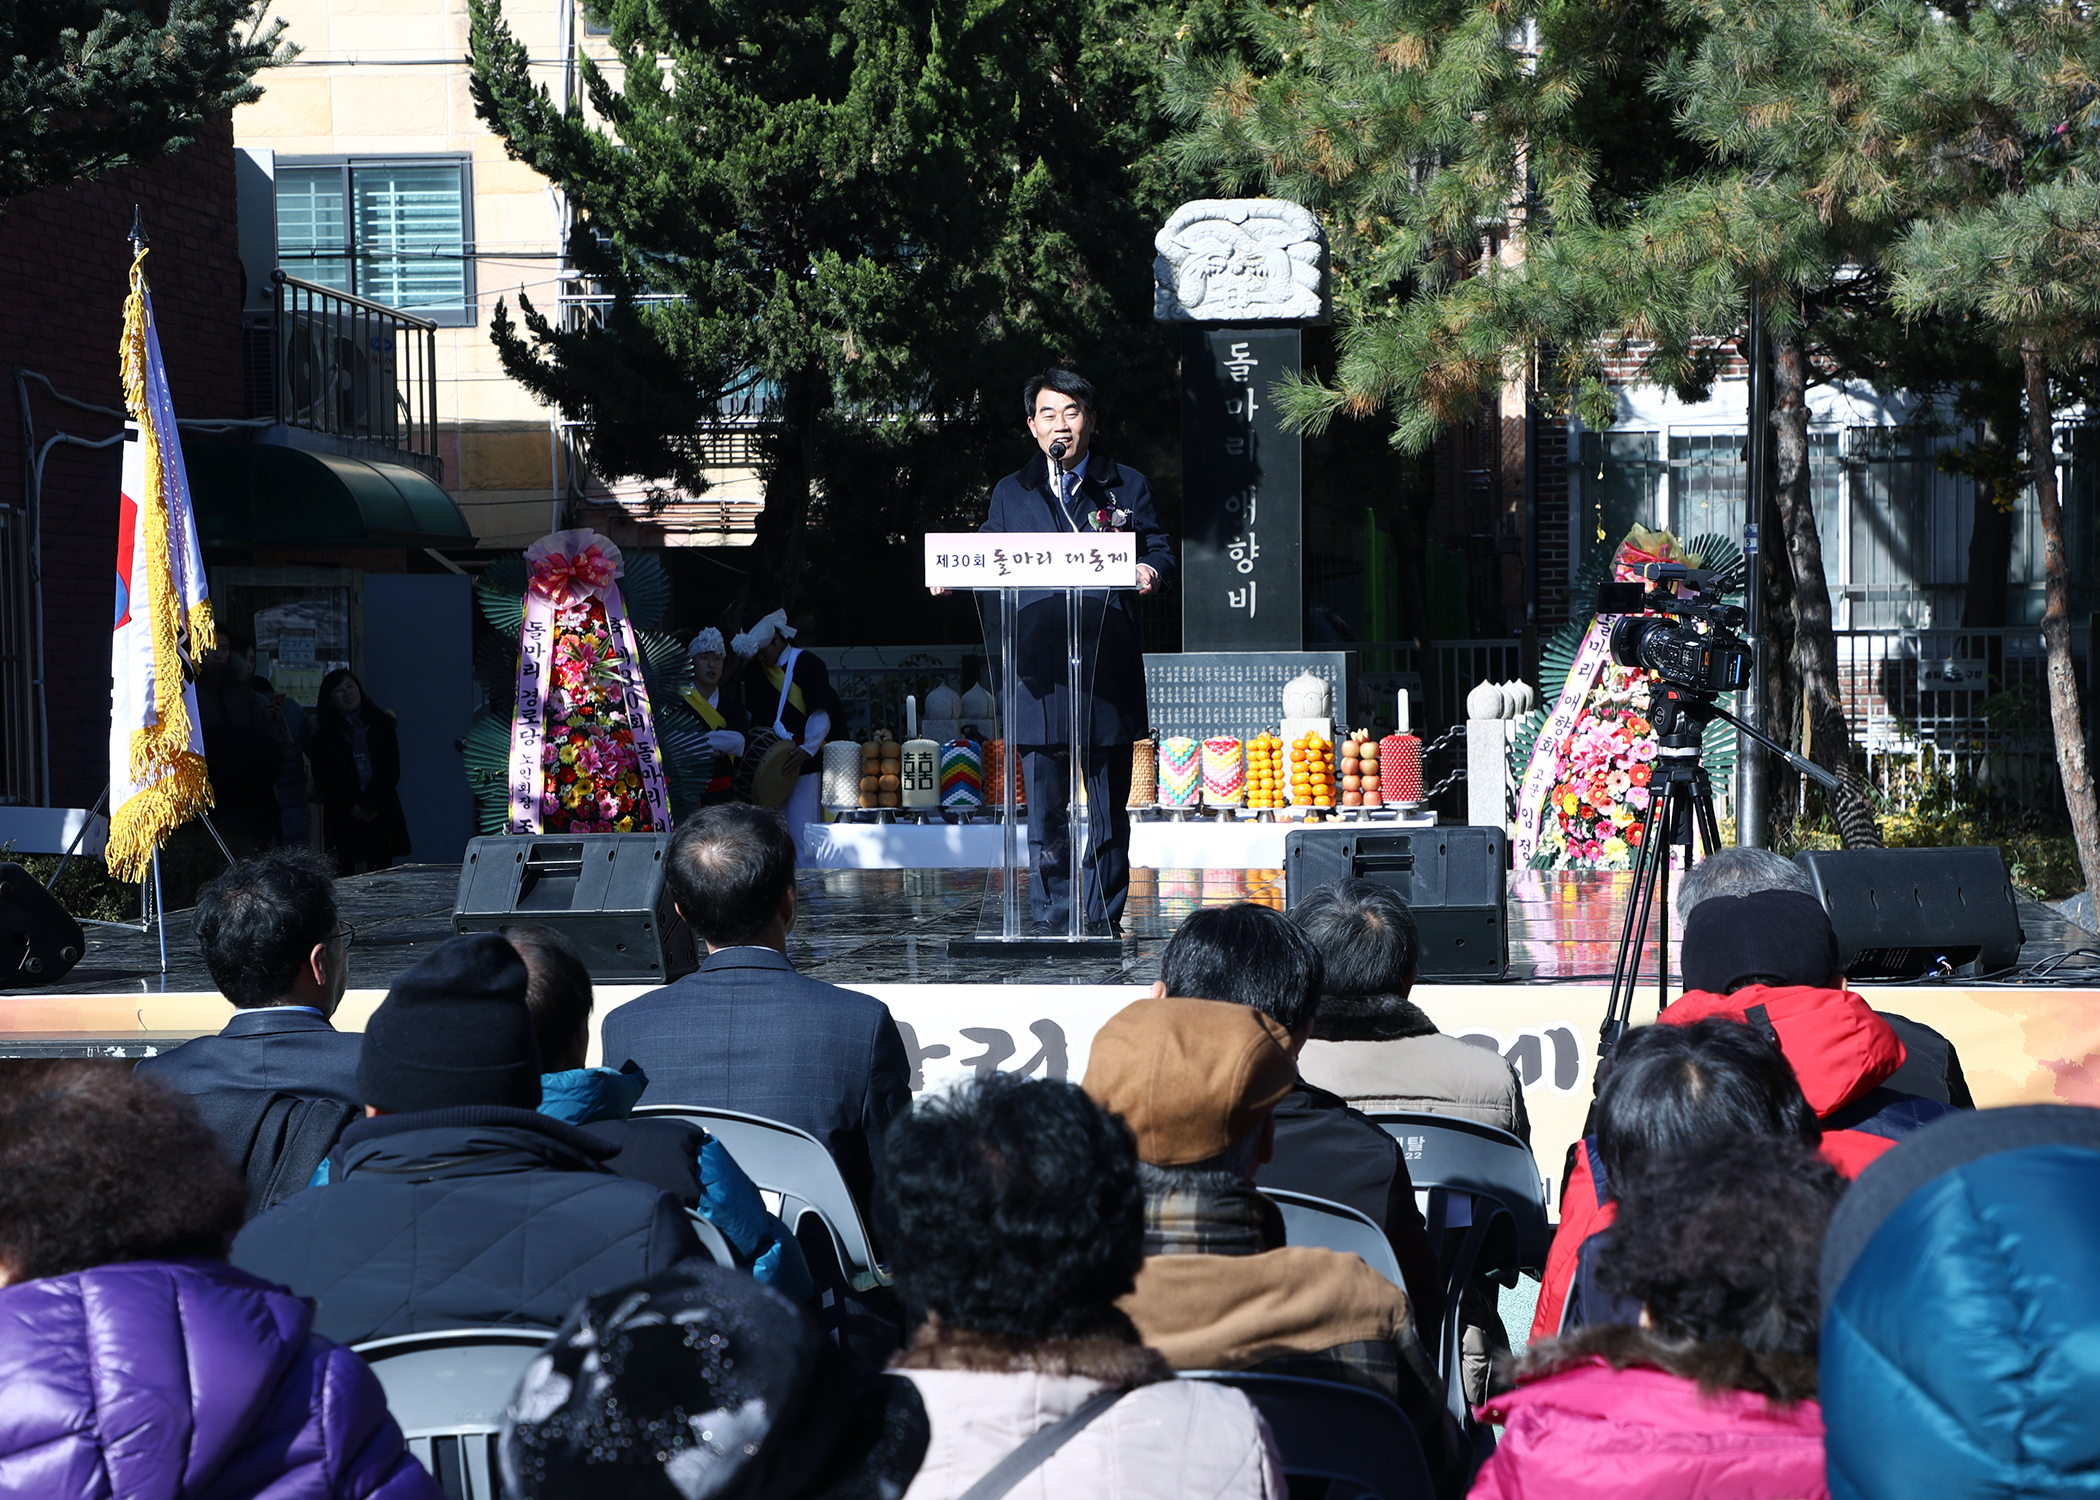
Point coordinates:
pixel 1057 451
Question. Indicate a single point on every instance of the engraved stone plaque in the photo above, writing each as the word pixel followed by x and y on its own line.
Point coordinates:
pixel 1240 260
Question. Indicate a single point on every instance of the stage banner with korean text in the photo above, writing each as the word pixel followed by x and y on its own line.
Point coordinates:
pixel 1242 500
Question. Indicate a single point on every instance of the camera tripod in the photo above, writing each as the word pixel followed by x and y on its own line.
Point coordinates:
pixel 1680 807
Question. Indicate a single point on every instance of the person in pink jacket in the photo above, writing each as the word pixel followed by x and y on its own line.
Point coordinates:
pixel 1712 1396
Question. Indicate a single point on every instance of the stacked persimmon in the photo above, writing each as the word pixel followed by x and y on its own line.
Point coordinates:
pixel 1266 784
pixel 1312 770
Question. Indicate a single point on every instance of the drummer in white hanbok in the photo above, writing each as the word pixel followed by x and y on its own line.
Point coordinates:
pixel 790 690
pixel 721 710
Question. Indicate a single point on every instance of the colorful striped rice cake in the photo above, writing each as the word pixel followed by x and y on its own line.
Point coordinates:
pixel 962 774
pixel 1180 771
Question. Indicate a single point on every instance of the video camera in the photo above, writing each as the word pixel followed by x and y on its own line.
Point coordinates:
pixel 1714 659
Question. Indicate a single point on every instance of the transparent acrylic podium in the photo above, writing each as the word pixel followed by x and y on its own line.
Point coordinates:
pixel 1040 644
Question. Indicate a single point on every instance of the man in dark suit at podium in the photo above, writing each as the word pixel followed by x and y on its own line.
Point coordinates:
pixel 1071 487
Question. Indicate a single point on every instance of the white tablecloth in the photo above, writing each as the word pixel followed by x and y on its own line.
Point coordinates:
pixel 1160 846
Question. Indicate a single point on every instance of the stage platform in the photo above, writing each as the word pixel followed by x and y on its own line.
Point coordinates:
pixel 886 932
pixel 883 926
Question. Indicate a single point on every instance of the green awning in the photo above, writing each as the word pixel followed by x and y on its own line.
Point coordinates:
pixel 252 494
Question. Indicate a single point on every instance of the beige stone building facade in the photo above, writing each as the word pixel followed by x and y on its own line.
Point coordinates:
pixel 364 169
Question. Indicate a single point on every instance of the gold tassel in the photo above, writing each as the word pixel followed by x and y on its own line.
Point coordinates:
pixel 173 783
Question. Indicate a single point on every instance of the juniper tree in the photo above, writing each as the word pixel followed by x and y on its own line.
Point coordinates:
pixel 868 218
pixel 84 88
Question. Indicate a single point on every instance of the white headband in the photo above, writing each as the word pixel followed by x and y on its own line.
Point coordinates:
pixel 773 624
pixel 707 643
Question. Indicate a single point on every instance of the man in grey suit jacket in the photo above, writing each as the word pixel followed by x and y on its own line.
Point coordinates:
pixel 745 1031
pixel 276 948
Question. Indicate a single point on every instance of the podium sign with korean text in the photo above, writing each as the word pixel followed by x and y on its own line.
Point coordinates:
pixel 1031 560
pixel 1242 493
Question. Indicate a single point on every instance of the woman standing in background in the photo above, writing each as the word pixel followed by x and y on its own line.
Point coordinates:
pixel 356 759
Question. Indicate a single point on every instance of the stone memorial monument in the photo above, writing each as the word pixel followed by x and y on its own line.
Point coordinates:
pixel 1243 276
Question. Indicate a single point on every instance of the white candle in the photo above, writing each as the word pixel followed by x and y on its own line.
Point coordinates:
pixel 911 717
pixel 1403 710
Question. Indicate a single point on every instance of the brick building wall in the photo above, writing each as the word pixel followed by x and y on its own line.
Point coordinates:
pixel 63 280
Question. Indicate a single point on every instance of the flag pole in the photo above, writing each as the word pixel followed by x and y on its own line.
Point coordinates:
pixel 160 912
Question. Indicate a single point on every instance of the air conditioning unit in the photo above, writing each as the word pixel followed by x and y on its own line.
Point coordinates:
pixel 337 374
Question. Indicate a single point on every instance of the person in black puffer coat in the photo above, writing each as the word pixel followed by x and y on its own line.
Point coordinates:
pixel 457 1204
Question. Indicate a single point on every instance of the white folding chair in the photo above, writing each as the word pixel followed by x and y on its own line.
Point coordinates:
pixel 1491 1176
pixel 448 1390
pixel 1336 1226
pixel 794 1164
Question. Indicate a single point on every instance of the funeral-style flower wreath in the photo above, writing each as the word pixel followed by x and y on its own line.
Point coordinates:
pixel 582 693
pixel 1585 760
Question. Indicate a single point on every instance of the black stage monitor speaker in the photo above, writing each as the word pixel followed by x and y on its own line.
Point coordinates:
pixel 1455 880
pixel 38 940
pixel 604 892
pixel 1900 913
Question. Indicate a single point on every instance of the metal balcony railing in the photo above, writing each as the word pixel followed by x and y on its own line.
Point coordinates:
pixel 356 369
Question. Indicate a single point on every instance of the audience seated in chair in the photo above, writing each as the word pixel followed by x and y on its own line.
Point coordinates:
pixel 1771 960
pixel 135 1360
pixel 1017 1221
pixel 1712 1391
pixel 1251 955
pixel 457 1204
pixel 1961 1308
pixel 278 1083
pixel 1931 1067
pixel 1197 1082
pixel 1370 1043
pixel 676 1155
pixel 745 1031
pixel 1666 1090
pixel 1374 1047
pixel 701 1382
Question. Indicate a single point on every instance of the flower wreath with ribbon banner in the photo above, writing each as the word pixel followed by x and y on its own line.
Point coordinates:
pixel 583 750
pixel 1587 762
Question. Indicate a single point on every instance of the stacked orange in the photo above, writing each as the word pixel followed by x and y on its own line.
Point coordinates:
pixel 1312 770
pixel 1265 780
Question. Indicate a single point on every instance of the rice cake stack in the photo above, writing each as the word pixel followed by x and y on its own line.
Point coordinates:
pixel 1224 773
pixel 842 773
pixel 962 774
pixel 1180 771
pixel 1144 774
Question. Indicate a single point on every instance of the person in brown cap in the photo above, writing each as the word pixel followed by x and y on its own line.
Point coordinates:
pixel 1198 1082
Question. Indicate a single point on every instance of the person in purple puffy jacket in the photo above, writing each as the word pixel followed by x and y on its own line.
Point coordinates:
pixel 133 1358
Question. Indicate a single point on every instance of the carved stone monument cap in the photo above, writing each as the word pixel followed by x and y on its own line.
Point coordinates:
pixel 1308 696
pixel 1240 260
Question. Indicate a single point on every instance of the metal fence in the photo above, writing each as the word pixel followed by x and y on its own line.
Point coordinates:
pixel 18 715
pixel 354 368
pixel 1439 679
pixel 1967 705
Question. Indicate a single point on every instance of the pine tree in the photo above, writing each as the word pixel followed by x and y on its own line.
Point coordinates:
pixel 1993 116
pixel 869 219
pixel 1514 190
pixel 84 89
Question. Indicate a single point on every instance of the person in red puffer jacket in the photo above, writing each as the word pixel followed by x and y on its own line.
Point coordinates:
pixel 1771 960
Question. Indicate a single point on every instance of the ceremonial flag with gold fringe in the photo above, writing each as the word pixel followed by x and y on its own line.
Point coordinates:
pixel 157 779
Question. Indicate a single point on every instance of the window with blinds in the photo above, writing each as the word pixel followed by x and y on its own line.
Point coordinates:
pixel 395 232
